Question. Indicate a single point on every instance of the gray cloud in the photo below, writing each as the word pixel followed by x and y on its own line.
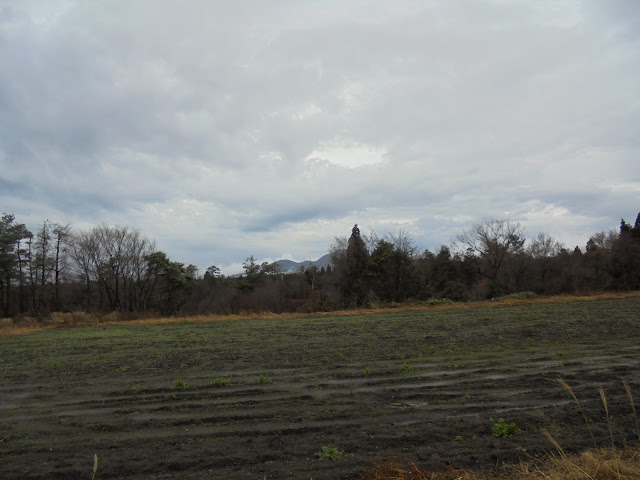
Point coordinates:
pixel 229 129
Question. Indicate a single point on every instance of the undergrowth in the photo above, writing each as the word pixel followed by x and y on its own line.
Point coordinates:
pixel 24 324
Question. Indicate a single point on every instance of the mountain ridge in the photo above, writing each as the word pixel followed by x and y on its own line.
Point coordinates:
pixel 289 266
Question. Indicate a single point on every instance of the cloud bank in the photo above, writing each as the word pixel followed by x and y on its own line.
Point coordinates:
pixel 224 129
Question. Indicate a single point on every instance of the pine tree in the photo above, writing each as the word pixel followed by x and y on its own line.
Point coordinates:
pixel 355 287
pixel 10 261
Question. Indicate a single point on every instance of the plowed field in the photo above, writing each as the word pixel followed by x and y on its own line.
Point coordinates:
pixel 264 396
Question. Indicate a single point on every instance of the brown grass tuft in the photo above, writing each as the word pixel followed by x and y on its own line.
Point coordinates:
pixel 601 464
pixel 627 388
pixel 566 386
pixel 554 442
pixel 393 469
pixel 95 465
pixel 6 322
pixel 606 411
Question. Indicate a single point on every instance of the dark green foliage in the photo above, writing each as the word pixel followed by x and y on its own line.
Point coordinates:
pixel 256 273
pixel 212 274
pixel 11 260
pixel 172 281
pixel 354 284
pixel 624 260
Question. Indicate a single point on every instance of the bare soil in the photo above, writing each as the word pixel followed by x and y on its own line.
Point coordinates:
pixel 420 385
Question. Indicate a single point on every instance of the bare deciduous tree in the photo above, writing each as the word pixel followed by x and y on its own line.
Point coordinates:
pixel 492 241
pixel 115 259
pixel 403 241
pixel 544 246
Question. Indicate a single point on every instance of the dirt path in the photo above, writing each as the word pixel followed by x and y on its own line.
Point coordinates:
pixel 419 385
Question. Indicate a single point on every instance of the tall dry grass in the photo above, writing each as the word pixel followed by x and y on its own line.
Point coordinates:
pixel 601 464
pixel 95 465
pixel 611 463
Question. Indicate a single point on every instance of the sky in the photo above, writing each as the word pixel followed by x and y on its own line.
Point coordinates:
pixel 223 129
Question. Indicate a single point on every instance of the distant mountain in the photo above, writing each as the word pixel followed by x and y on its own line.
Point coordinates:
pixel 289 266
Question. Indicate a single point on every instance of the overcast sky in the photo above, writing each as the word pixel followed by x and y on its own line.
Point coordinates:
pixel 223 129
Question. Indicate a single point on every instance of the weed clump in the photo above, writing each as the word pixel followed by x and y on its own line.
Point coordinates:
pixel 179 384
pixel 329 452
pixel 406 368
pixel 504 429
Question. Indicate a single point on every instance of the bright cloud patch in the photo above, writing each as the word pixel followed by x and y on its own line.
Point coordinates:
pixel 348 155
pixel 308 110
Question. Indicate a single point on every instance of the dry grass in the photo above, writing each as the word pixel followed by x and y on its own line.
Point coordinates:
pixel 394 469
pixel 627 388
pixel 596 464
pixel 95 465
pixel 60 320
pixel 566 386
pixel 6 322
pixel 601 464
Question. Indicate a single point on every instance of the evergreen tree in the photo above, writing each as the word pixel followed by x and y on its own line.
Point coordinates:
pixel 355 286
pixel 10 259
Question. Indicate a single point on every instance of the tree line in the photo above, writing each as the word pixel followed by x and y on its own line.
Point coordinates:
pixel 114 268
